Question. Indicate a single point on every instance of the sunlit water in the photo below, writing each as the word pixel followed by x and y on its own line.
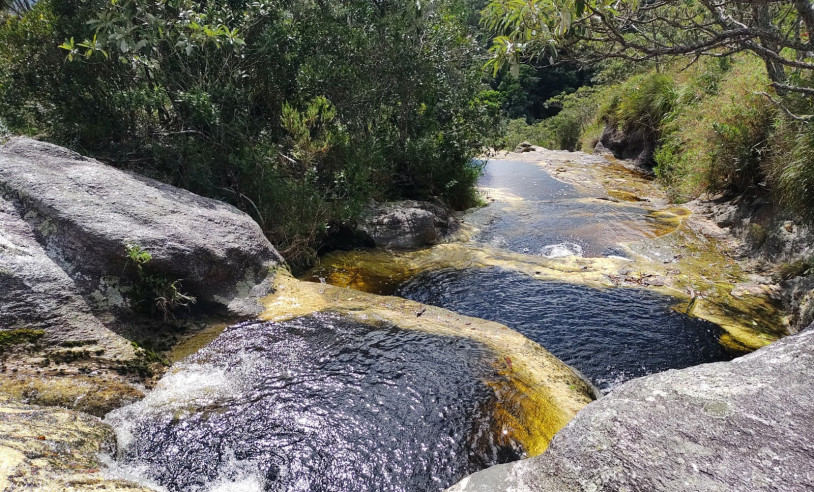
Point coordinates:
pixel 315 404
pixel 546 214
pixel 609 335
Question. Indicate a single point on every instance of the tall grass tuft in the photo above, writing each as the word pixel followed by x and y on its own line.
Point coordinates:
pixel 641 104
pixel 715 141
pixel 791 166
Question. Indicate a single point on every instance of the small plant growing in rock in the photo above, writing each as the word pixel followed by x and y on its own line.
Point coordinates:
pixel 154 290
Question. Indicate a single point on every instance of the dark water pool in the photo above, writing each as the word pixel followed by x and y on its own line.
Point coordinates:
pixel 316 404
pixel 609 335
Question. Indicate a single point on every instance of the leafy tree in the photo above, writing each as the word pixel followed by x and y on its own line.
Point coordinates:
pixel 778 32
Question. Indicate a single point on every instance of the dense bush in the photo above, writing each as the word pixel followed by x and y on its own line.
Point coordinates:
pixel 715 140
pixel 297 112
pixel 572 128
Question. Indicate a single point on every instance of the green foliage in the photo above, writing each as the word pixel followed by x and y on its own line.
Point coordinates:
pixel 296 112
pixel 791 166
pixel 716 140
pixel 23 336
pixel 576 126
pixel 640 105
pixel 152 291
pixel 528 29
pixel 518 131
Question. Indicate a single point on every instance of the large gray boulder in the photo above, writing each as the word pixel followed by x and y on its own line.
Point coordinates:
pixel 35 293
pixel 406 224
pixel 85 213
pixel 741 425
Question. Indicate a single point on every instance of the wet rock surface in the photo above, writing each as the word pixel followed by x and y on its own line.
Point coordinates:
pixel 49 449
pixel 740 425
pixel 84 214
pixel 406 224
pixel 779 245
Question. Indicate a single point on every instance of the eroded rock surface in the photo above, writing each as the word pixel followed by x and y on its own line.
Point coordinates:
pixel 740 425
pixel 84 214
pixel 406 224
pixel 49 449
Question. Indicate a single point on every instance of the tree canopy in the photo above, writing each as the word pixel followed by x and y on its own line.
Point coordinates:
pixel 299 112
pixel 777 31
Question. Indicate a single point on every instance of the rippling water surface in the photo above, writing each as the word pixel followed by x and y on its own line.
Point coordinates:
pixel 545 212
pixel 610 335
pixel 315 404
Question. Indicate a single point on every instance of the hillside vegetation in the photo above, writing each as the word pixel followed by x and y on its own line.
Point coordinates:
pixel 297 112
pixel 718 94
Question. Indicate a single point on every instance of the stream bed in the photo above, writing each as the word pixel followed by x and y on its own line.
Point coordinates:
pixel 334 402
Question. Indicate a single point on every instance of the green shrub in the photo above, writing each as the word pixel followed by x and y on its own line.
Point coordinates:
pixel 296 112
pixel 518 131
pixel 716 142
pixel 152 291
pixel 566 130
pixel 640 105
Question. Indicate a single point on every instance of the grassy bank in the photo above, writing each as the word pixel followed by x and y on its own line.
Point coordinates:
pixel 713 127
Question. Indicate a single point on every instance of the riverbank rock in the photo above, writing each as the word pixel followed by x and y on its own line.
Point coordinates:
pixel 740 425
pixel 85 214
pixel 780 245
pixel 49 449
pixel 524 147
pixel 67 333
pixel 406 224
pixel 636 146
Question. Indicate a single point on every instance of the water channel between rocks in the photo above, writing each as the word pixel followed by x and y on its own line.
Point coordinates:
pixel 328 403
pixel 610 334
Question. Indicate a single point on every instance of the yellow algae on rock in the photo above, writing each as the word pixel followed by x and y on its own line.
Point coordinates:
pixel 537 393
pixel 50 449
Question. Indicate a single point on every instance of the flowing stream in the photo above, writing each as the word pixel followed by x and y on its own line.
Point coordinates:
pixel 325 403
pixel 610 335
pixel 316 404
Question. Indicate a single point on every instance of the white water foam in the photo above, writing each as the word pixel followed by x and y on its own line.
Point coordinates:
pixel 188 385
pixel 561 250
